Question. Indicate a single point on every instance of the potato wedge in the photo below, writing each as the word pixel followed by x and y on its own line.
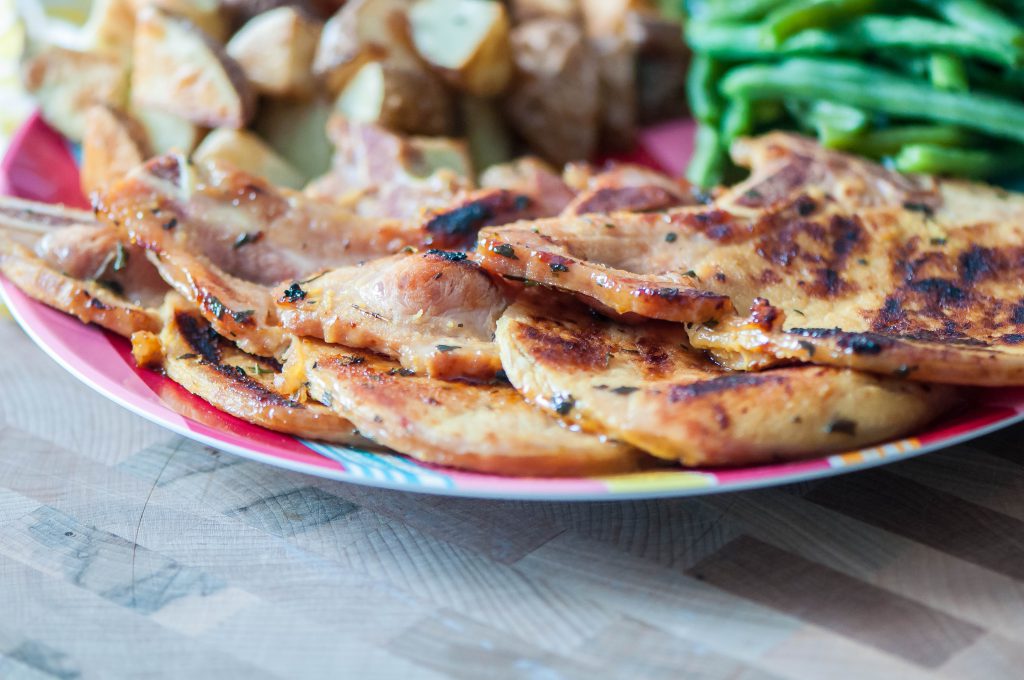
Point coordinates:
pixel 553 101
pixel 180 70
pixel 410 100
pixel 204 14
pixel 276 49
pixel 662 62
pixel 609 17
pixel 297 131
pixel 167 132
pixel 465 41
pixel 363 31
pixel 490 140
pixel 525 10
pixel 66 83
pixel 245 151
pixel 114 144
pixel 111 26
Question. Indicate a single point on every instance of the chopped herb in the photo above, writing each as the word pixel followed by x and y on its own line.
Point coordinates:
pixel 170 224
pixel 294 293
pixel 120 257
pixel 563 403
pixel 243 316
pixel 842 426
pixel 861 261
pixel 558 267
pixel 807 347
pixel 405 372
pixel 352 360
pixel 247 238
pixel 450 255
pixel 183 357
pixel 505 250
pixel 671 237
pixel 447 348
pixel 530 283
pixel 692 274
pixel 259 370
pixel 407 249
pixel 625 389
pixel 919 207
pixel 609 225
pixel 215 306
pixel 797 311
pixel 938 241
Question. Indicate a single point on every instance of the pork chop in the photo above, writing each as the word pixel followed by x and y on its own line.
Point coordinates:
pixel 645 385
pixel 435 312
pixel 193 355
pixel 485 428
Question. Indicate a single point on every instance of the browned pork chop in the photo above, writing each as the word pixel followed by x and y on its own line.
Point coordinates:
pixel 435 312
pixel 926 287
pixel 644 385
pixel 64 259
pixel 485 428
pixel 193 355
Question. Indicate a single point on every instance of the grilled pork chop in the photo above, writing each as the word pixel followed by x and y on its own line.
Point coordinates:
pixel 643 384
pixel 193 355
pixel 486 428
pixel 435 312
pixel 926 288
pixel 62 258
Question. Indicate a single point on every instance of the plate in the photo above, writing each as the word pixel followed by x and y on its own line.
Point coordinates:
pixel 40 165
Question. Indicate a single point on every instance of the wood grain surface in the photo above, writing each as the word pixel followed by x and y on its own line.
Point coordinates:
pixel 126 551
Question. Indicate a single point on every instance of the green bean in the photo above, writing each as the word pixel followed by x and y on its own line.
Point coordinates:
pixel 888 141
pixel 979 18
pixel 866 34
pixel 939 160
pixel 947 72
pixel 707 164
pixel 738 120
pixel 738 10
pixel 800 15
pixel 705 102
pixel 836 122
pixel 877 90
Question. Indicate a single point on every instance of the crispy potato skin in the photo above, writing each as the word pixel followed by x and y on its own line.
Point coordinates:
pixel 276 51
pixel 553 101
pixel 643 384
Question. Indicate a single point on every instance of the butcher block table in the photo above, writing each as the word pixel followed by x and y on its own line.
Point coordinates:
pixel 127 551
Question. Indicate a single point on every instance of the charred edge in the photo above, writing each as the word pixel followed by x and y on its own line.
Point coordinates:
pixel 460 222
pixel 242 381
pixel 199 336
pixel 679 393
pixel 856 343
pixel 293 293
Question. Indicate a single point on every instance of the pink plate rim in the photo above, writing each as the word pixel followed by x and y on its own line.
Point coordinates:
pixel 40 165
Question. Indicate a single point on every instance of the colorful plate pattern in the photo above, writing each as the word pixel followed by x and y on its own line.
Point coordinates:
pixel 40 165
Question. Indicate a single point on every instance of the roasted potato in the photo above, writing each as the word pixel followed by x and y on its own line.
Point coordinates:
pixel 609 17
pixel 66 83
pixel 487 134
pixel 114 143
pixel 111 26
pixel 662 61
pixel 363 31
pixel 525 10
pixel 179 69
pixel 554 100
pixel 276 49
pixel 410 100
pixel 167 132
pixel 245 151
pixel 206 15
pixel 465 41
pixel 297 131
